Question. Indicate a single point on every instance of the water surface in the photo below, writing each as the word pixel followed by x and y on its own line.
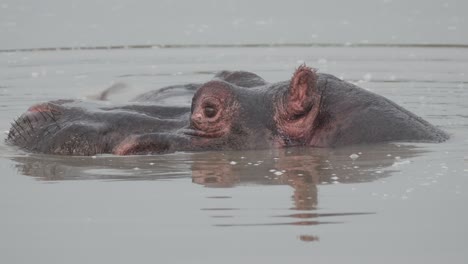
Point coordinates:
pixel 387 203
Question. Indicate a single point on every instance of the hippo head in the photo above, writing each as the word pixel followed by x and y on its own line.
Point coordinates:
pixel 235 110
pixel 225 114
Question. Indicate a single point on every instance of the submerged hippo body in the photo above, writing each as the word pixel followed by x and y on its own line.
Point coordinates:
pixel 235 110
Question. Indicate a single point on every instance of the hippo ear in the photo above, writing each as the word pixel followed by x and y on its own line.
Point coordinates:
pixel 298 107
pixel 302 91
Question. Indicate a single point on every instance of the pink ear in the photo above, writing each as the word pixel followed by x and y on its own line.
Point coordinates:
pixel 301 90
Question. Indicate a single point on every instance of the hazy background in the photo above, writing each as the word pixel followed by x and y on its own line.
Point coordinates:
pixel 395 203
pixel 74 23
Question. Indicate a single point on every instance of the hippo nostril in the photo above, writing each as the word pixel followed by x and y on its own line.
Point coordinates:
pixel 197 117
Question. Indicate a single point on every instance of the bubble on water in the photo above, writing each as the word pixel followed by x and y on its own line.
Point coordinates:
pixel 264 22
pixel 300 174
pixel 93 157
pixel 272 170
pixel 399 163
pixel 278 173
pixel 379 172
pixel 242 157
pixel 409 190
pixel 322 61
pixel 81 76
pixel 354 156
pixel 335 182
pixel 151 163
pixel 234 163
pixel 367 77
pixel 389 155
pixel 335 178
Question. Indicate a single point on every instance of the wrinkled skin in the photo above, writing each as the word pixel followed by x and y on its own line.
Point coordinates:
pixel 235 110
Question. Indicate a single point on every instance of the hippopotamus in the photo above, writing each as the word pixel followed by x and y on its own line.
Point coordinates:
pixel 236 110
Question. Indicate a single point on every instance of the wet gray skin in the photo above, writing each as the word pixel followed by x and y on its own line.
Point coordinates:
pixel 235 110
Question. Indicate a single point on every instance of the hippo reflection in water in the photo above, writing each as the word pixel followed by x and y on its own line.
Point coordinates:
pixel 235 111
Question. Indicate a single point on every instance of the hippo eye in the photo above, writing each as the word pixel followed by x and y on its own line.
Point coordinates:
pixel 298 116
pixel 210 111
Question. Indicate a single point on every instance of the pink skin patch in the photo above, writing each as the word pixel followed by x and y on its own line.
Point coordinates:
pixel 41 108
pixel 125 147
pixel 137 144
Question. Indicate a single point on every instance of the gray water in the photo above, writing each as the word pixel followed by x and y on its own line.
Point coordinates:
pixel 398 202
